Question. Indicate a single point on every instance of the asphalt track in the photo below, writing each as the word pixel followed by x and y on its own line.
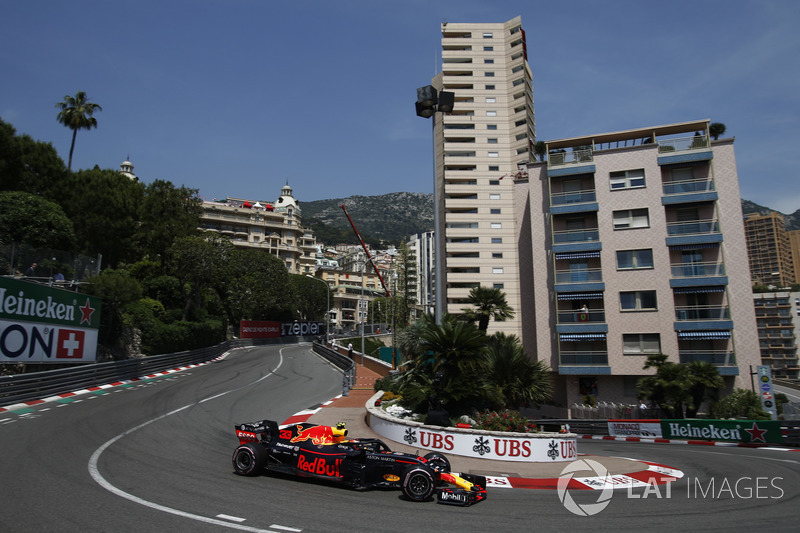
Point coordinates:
pixel 154 455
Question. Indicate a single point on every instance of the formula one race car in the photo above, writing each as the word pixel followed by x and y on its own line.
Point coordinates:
pixel 325 452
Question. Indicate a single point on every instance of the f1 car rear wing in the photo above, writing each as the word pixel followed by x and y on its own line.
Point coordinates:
pixel 264 431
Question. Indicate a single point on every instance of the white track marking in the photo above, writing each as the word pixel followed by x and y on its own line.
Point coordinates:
pixel 98 477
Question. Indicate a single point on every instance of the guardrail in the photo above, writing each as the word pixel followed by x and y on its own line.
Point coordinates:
pixel 347 365
pixel 37 385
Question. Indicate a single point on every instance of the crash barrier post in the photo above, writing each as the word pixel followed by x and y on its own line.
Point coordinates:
pixel 37 385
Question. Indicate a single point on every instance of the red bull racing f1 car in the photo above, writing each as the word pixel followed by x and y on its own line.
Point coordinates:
pixel 325 452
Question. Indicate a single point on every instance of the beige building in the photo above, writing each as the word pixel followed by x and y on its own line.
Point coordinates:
pixel 274 227
pixel 778 320
pixel 633 243
pixel 769 250
pixel 490 131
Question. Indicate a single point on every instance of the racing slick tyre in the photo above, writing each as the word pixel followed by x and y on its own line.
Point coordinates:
pixel 438 462
pixel 417 483
pixel 249 459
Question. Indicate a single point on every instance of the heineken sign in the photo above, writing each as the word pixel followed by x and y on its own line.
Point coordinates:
pixel 42 324
pixel 751 431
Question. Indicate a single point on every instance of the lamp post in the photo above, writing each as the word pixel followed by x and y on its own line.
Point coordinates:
pixel 427 104
pixel 328 309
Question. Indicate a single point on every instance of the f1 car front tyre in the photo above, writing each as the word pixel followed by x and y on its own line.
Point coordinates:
pixel 249 459
pixel 417 483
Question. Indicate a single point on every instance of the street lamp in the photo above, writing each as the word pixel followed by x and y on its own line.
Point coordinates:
pixel 427 104
pixel 328 309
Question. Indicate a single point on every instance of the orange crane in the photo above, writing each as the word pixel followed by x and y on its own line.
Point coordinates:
pixel 366 251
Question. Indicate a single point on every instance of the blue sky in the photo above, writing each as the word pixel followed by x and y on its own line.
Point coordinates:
pixel 239 97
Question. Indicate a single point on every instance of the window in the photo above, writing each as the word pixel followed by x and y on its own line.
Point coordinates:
pixel 491 100
pixel 494 182
pixel 641 343
pixel 491 113
pixel 497 212
pixel 497 240
pixel 494 197
pixel 487 35
pixel 497 255
pixel 488 61
pixel 489 74
pixel 494 168
pixel 627 179
pixel 488 48
pixel 496 225
pixel 490 87
pixel 633 259
pixel 491 126
pixel 494 154
pixel 497 270
pixel 492 140
pixel 498 286
pixel 631 218
pixel 637 300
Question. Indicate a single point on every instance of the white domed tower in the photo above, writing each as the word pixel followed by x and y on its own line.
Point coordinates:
pixel 126 169
pixel 286 203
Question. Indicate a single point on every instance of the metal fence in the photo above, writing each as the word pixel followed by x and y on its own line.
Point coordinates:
pixel 37 385
pixel 606 410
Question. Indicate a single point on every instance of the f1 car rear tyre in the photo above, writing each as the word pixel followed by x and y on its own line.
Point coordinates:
pixel 438 461
pixel 249 459
pixel 417 483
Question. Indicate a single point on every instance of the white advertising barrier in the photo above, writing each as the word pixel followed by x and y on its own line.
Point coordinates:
pixel 634 428
pixel 495 445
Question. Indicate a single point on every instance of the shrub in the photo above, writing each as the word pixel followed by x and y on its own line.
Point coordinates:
pixel 741 403
pixel 505 421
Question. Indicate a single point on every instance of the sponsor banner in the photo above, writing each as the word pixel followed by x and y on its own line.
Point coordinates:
pixel 533 449
pixel 261 329
pixel 750 431
pixel 634 428
pixel 28 342
pixel 32 302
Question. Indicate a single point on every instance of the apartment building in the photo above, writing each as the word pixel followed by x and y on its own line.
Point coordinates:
pixel 477 148
pixel 769 249
pixel 777 322
pixel 421 245
pixel 274 227
pixel 633 243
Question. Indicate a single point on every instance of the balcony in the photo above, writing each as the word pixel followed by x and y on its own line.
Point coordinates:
pixel 576 321
pixel 579 235
pixel 573 202
pixel 698 274
pixel 702 313
pixel 693 232
pixel 579 280
pixel 577 161
pixel 684 150
pixel 719 358
pixel 695 190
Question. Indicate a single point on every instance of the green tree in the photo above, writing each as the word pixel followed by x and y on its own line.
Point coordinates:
pixel 310 297
pixel 715 129
pixel 75 112
pixel 706 384
pixel 117 289
pixel 741 403
pixel 487 304
pixel 39 223
pixel 518 381
pixel 29 166
pixel 540 149
pixel 199 262
pixel 104 207
pixel 165 214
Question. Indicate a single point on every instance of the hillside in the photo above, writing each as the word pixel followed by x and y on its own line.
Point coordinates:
pixel 390 218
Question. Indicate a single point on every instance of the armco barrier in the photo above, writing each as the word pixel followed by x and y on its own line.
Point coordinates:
pixel 37 385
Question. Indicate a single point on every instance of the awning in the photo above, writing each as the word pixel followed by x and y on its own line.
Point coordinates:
pixel 577 255
pixel 577 337
pixel 697 246
pixel 580 296
pixel 697 290
pixel 703 335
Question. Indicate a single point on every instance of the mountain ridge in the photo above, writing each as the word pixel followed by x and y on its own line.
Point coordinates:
pixel 393 217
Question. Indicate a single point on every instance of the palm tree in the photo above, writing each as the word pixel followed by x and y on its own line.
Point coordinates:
pixel 540 149
pixel 488 303
pixel 715 129
pixel 706 384
pixel 75 112
pixel 519 381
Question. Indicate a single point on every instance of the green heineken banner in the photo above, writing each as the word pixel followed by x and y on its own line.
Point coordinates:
pixel 751 431
pixel 42 324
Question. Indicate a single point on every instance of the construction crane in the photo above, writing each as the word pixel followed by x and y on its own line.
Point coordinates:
pixel 366 251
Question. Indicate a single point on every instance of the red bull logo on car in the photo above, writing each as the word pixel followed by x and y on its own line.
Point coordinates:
pixel 319 466
pixel 319 434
